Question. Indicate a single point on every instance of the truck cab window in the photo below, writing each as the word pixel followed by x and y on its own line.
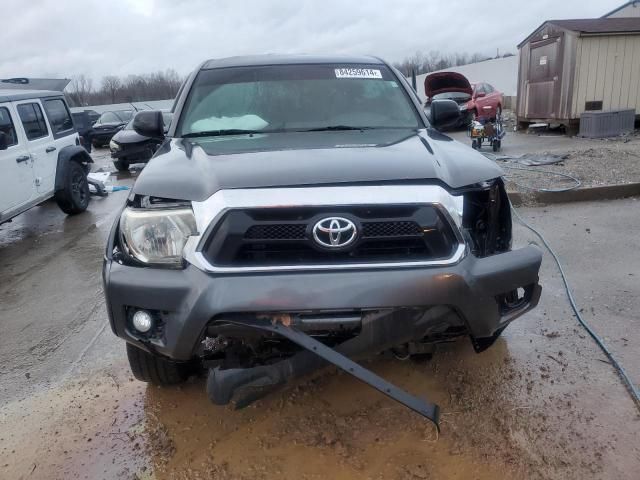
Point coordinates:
pixel 33 121
pixel 58 115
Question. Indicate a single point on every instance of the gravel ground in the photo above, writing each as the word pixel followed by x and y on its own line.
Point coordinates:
pixel 615 162
pixel 594 162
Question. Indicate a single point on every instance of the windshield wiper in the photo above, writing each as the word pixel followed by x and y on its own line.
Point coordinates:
pixel 219 133
pixel 239 131
pixel 329 128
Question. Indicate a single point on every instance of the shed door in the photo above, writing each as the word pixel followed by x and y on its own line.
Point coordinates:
pixel 545 75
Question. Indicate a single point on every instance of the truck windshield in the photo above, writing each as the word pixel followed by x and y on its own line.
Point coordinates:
pixel 295 98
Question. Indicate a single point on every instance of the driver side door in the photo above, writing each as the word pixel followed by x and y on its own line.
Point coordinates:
pixel 17 186
pixel 40 143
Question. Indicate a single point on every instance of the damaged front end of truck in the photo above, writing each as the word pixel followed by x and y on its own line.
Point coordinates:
pixel 264 256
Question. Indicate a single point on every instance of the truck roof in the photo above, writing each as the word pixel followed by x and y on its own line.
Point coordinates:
pixel 269 59
pixel 10 95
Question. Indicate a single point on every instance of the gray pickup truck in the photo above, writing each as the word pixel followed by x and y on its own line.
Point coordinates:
pixel 301 211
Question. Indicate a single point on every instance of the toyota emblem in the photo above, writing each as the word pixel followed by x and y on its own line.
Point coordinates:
pixel 335 232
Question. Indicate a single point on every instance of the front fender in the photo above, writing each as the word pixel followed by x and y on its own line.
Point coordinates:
pixel 70 153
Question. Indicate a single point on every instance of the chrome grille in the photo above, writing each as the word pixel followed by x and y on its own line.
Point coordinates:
pixel 282 236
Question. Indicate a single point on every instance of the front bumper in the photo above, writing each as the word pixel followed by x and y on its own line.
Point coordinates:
pixel 189 299
pixel 103 136
pixel 141 153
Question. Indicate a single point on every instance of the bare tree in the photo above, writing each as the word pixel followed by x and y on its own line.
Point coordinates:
pixel 461 58
pixel 79 90
pixel 161 85
pixel 435 60
pixel 110 85
pixel 478 57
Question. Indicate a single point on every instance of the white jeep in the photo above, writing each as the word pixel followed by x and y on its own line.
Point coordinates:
pixel 40 154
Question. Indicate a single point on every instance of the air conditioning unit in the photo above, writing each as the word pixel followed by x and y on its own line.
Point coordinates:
pixel 610 123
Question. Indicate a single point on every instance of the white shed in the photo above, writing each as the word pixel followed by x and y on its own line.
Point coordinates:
pixel 568 67
pixel 626 10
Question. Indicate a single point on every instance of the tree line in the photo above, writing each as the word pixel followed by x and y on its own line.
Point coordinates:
pixel 164 85
pixel 421 62
pixel 132 88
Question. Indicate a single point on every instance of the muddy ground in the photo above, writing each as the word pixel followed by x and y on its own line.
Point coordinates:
pixel 542 403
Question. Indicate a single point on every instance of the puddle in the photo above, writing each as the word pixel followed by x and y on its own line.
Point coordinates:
pixel 328 427
pixel 84 430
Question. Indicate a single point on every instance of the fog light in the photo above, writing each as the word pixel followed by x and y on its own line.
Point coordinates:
pixel 142 321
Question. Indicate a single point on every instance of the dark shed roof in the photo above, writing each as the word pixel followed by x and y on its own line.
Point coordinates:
pixel 593 26
pixel 600 25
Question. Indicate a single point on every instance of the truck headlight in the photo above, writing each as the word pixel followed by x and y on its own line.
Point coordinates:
pixel 156 236
pixel 113 146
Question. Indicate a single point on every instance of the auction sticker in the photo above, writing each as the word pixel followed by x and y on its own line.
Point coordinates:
pixel 358 73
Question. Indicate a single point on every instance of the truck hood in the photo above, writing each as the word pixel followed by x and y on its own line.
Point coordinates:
pixel 194 169
pixel 127 137
pixel 446 82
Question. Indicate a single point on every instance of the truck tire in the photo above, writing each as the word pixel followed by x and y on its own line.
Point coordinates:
pixel 151 369
pixel 121 165
pixel 74 196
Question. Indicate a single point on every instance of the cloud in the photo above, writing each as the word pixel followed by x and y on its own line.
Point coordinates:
pixel 50 38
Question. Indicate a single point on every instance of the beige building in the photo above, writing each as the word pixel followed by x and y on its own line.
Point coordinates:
pixel 567 67
pixel 627 10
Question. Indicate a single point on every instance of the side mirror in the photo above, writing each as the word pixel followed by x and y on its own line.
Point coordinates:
pixel 148 123
pixel 4 141
pixel 444 113
pixel 480 94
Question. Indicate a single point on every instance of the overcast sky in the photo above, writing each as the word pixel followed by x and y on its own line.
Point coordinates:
pixel 54 38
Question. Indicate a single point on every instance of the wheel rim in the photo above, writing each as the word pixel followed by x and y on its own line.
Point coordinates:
pixel 78 190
